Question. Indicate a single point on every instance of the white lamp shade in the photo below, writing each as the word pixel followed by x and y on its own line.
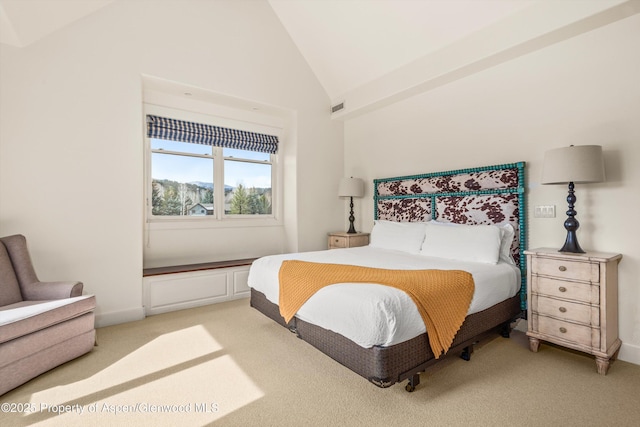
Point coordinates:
pixel 351 187
pixel 577 164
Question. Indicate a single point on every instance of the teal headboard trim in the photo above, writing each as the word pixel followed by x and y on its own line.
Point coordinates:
pixel 455 172
pixel 522 206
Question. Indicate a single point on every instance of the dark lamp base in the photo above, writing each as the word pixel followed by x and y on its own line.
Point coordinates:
pixel 571 244
pixel 352 229
pixel 571 224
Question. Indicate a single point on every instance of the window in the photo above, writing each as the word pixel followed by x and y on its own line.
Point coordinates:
pixel 247 182
pixel 202 171
pixel 181 178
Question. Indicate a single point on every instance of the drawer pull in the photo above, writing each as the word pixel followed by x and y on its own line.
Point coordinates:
pixel 563 330
pixel 562 289
pixel 562 268
pixel 562 310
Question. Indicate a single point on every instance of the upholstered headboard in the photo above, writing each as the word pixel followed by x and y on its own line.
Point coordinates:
pixel 483 195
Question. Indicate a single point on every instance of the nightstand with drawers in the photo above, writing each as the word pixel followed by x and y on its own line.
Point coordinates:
pixel 573 302
pixel 347 240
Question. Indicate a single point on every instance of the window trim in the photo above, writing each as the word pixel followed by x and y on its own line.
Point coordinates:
pixel 219 219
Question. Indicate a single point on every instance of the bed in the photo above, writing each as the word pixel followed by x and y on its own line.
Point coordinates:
pixel 375 330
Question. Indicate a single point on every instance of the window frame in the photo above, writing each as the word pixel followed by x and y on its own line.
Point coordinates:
pixel 219 218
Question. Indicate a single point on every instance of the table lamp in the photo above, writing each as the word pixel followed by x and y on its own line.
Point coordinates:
pixel 351 187
pixel 576 164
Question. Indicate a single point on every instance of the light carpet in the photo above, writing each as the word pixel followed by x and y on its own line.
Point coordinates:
pixel 227 364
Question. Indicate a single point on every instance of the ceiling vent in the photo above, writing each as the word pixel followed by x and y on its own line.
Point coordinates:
pixel 337 107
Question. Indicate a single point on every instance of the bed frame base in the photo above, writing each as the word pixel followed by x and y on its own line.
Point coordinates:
pixel 385 366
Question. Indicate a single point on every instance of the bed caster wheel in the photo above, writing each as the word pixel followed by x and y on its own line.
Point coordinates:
pixel 412 383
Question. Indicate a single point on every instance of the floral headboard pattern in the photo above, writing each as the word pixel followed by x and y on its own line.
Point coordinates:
pixel 483 195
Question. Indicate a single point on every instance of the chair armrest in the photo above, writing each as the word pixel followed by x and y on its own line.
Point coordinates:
pixel 52 290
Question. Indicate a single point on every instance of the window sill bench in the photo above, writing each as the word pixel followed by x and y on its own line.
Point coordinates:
pixel 192 285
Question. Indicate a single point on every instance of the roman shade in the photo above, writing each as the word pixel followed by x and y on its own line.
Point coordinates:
pixel 199 133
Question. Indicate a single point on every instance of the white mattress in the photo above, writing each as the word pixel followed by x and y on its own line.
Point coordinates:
pixel 377 315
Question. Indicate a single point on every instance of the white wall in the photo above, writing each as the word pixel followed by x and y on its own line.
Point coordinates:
pixel 584 90
pixel 71 156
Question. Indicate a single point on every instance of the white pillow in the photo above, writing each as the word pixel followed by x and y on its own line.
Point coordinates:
pixel 507 232
pixel 399 236
pixel 476 243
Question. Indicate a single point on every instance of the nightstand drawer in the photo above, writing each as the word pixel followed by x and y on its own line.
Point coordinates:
pixel 338 242
pixel 566 269
pixel 575 291
pixel 565 310
pixel 567 331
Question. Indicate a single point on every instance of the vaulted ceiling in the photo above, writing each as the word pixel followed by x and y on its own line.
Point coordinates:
pixel 355 44
pixel 348 43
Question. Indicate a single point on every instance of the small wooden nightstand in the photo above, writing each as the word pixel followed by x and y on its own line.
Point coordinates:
pixel 573 302
pixel 341 239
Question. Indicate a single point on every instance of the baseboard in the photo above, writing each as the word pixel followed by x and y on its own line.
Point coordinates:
pixel 116 317
pixel 629 353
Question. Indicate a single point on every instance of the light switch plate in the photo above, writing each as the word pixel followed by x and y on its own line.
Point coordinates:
pixel 544 211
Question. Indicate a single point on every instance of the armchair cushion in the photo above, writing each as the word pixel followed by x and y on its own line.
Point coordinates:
pixel 27 317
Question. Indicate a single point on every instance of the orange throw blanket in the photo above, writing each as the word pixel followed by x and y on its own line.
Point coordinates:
pixel 441 296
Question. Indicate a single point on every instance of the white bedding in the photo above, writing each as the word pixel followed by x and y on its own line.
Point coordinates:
pixel 377 315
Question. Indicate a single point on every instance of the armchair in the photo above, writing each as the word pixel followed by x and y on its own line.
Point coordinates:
pixel 42 324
